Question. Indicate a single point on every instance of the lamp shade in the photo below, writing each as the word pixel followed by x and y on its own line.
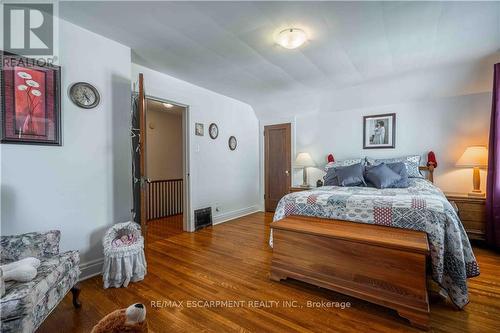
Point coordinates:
pixel 304 160
pixel 474 156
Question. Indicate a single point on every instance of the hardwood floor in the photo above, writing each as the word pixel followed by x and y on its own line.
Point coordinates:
pixel 230 262
pixel 164 228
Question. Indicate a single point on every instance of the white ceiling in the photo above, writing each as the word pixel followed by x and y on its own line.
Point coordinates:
pixel 228 47
pixel 157 106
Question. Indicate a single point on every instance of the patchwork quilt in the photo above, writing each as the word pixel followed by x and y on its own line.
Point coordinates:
pixel 421 206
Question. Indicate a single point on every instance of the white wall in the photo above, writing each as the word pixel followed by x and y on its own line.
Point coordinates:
pixel 218 177
pixel 446 126
pixel 82 187
pixel 443 109
pixel 164 145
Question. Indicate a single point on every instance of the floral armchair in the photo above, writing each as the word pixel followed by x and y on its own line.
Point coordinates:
pixel 25 305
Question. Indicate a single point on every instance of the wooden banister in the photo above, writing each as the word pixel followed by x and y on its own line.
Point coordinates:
pixel 165 198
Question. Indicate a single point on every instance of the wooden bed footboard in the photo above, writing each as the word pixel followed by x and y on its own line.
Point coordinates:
pixel 382 265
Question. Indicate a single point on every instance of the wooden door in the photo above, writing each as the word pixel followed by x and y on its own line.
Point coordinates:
pixel 277 155
pixel 140 179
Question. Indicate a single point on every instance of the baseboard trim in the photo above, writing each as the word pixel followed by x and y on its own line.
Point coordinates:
pixel 91 268
pixel 94 267
pixel 235 214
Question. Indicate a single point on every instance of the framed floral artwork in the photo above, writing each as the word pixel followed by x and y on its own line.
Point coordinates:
pixel 30 101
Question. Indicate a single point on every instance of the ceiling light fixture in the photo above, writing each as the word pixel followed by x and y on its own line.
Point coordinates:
pixel 291 38
pixel 168 105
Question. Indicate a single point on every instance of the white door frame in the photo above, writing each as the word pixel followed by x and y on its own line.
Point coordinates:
pixel 186 210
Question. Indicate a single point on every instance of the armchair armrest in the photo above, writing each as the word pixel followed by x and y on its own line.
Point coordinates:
pixel 32 244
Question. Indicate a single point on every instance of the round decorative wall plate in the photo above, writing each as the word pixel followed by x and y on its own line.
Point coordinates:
pixel 84 95
pixel 232 143
pixel 213 130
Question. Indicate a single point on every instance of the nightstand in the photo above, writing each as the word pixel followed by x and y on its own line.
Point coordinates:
pixel 299 188
pixel 472 213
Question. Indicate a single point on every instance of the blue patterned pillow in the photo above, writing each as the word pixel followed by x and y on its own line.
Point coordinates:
pixel 343 163
pixel 412 163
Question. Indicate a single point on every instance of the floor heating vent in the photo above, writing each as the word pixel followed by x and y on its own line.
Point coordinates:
pixel 202 218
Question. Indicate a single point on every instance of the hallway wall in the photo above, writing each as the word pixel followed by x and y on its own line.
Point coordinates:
pixel 164 144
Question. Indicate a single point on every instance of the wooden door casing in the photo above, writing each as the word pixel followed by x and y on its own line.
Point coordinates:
pixel 277 163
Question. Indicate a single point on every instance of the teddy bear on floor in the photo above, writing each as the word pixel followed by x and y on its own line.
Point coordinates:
pixel 129 320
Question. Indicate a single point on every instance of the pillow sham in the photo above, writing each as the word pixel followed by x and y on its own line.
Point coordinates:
pixel 343 163
pixel 351 175
pixel 412 163
pixel 381 176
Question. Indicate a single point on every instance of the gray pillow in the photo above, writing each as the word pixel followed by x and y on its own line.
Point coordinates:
pixel 400 169
pixel 331 178
pixel 412 163
pixel 381 176
pixel 350 175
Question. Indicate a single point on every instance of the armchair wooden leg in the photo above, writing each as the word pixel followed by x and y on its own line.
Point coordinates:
pixel 76 294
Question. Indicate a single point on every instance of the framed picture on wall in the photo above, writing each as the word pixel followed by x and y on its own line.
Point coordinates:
pixel 30 102
pixel 379 131
pixel 199 129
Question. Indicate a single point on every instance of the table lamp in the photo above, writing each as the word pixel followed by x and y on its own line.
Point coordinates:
pixel 304 161
pixel 474 157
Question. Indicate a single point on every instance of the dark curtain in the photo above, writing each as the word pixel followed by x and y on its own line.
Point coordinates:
pixel 493 182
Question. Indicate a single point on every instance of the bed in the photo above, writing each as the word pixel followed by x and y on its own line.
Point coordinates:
pixel 422 207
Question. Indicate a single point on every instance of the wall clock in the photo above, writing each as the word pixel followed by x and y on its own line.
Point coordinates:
pixel 213 130
pixel 232 143
pixel 84 95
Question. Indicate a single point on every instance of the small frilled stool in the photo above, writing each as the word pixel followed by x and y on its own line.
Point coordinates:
pixel 124 259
